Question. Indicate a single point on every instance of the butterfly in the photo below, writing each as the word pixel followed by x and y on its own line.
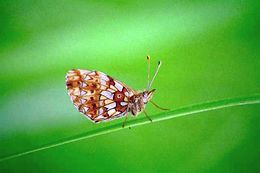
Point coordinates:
pixel 103 98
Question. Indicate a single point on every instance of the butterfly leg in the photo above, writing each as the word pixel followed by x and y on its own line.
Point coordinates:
pixel 159 107
pixel 147 116
pixel 123 125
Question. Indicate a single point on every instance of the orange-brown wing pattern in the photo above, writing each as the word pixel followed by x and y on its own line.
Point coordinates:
pixel 97 95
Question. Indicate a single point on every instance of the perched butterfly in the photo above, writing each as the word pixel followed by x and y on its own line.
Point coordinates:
pixel 103 98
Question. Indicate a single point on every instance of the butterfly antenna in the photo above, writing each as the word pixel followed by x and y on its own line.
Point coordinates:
pixel 157 70
pixel 148 72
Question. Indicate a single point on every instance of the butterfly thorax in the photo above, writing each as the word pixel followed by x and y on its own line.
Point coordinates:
pixel 136 104
pixel 138 101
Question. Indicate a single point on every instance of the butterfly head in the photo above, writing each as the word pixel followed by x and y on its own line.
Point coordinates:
pixel 147 95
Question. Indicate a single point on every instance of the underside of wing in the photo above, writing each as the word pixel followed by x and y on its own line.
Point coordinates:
pixel 97 95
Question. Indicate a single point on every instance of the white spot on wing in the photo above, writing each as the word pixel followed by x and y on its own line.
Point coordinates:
pixel 100 117
pixel 101 111
pixel 84 84
pixel 108 101
pixel 82 72
pixel 110 90
pixel 82 101
pixel 84 109
pixel 83 93
pixel 73 97
pixel 103 87
pixel 101 103
pixel 111 105
pixel 118 114
pixel 126 94
pixel 130 94
pixel 107 94
pixel 112 87
pixel 102 97
pixel 123 103
pixel 92 73
pixel 103 82
pixel 87 78
pixel 118 86
pixel 111 112
pixel 104 77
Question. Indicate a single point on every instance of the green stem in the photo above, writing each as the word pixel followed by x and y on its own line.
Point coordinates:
pixel 189 110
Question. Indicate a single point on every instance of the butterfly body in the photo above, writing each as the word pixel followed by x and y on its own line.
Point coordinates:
pixel 138 101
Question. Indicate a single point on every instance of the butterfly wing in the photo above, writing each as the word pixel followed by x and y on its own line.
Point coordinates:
pixel 97 95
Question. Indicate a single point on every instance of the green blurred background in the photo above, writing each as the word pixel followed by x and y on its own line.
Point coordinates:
pixel 210 51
